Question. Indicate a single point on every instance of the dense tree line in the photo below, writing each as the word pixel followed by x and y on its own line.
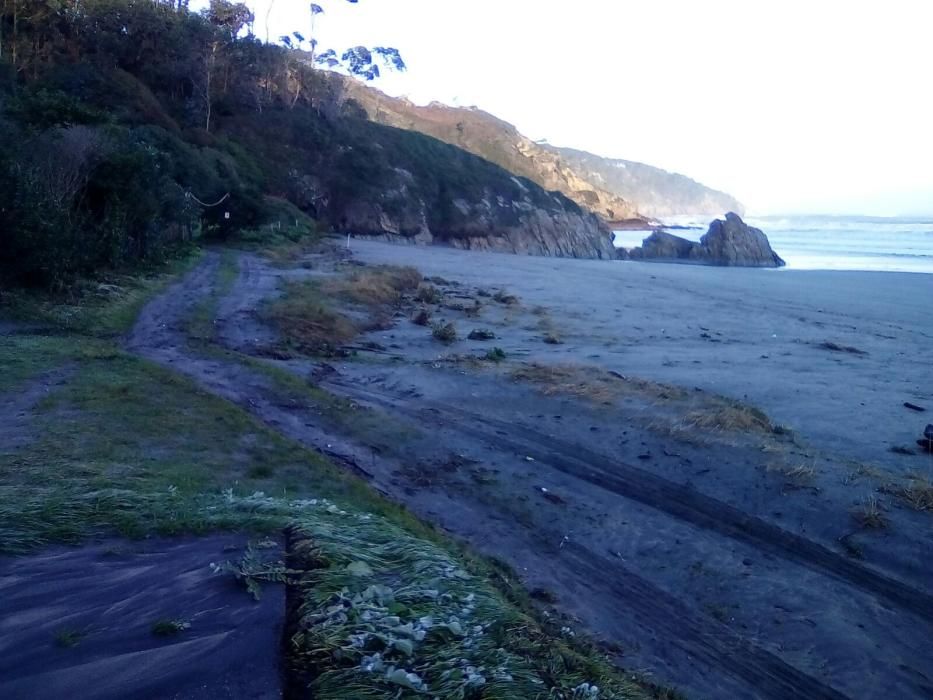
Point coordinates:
pixel 121 119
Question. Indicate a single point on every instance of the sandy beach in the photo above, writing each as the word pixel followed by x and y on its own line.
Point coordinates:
pixel 690 465
pixel 754 335
pixel 614 454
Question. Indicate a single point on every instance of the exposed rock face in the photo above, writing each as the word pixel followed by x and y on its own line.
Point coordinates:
pixel 730 242
pixel 493 223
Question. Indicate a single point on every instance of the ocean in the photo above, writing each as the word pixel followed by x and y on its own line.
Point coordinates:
pixel 829 242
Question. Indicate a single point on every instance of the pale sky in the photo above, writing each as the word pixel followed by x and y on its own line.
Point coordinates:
pixel 794 107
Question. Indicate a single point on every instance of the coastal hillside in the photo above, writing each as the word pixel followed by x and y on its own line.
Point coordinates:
pixel 130 130
pixel 658 193
pixel 497 141
pixel 615 189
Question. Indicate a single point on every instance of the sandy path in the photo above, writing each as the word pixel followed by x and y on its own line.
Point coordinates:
pixel 804 620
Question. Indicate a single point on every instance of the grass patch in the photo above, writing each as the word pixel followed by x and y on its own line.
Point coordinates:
pixel 307 314
pixel 288 234
pixel 428 294
pixel 869 514
pixel 200 322
pixel 796 475
pixel 379 429
pixel 495 355
pixel 916 492
pixel 26 357
pixel 386 615
pixel 305 319
pixel 684 416
pixel 107 307
pixel 592 383
pixel 503 297
pixel 444 332
pixel 730 417
pixel 376 287
pixel 128 447
pixel 422 317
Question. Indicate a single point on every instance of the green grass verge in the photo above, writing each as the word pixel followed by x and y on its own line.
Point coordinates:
pixel 385 614
pixel 127 446
pixel 26 357
pixel 100 308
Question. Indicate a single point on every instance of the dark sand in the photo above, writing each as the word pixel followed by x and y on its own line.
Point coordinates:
pixel 108 596
pixel 764 328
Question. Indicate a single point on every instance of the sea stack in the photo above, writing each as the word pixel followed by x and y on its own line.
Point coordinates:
pixel 729 242
pixel 734 243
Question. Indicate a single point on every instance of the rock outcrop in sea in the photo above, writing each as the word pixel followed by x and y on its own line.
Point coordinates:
pixel 729 242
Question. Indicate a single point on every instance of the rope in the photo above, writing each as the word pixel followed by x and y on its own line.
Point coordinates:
pixel 219 201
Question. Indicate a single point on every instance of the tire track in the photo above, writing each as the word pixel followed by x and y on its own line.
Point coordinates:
pixel 629 595
pixel 703 639
pixel 677 500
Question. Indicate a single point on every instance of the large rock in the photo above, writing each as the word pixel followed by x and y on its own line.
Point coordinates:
pixel 736 244
pixel 661 245
pixel 730 242
pixel 491 223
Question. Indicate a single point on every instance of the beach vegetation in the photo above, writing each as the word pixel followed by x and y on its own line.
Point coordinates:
pixel 382 286
pixel 504 297
pixel 495 355
pixel 798 475
pixel 916 491
pixel 428 294
pixel 307 321
pixel 421 317
pixel 444 332
pixel 869 514
pixel 385 614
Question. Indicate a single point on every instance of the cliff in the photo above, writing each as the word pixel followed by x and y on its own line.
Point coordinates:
pixel 657 193
pixel 494 140
pixel 614 189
